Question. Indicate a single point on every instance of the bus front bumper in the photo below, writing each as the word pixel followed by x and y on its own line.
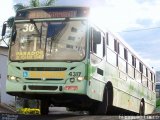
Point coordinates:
pixel 15 88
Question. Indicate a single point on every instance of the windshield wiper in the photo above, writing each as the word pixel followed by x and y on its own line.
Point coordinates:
pixel 39 32
pixel 33 22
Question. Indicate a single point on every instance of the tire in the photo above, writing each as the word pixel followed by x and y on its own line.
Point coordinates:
pixel 101 108
pixel 44 108
pixel 142 108
pixel 105 104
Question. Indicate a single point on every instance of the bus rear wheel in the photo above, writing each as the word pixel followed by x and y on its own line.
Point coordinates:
pixel 44 107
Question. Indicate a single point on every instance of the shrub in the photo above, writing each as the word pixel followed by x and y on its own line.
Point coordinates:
pixel 28 111
pixel 158 102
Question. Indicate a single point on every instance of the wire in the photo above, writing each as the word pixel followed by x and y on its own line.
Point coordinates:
pixel 141 29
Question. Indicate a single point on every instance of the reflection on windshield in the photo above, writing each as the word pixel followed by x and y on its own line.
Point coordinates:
pixel 66 41
pixel 54 41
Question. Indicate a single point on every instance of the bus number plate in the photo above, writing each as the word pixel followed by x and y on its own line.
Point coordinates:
pixel 75 74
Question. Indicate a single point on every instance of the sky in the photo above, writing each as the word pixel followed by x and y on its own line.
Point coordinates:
pixel 137 22
pixel 5 11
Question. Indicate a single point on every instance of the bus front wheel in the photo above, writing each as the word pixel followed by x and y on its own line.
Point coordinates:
pixel 142 108
pixel 104 106
pixel 101 108
pixel 44 108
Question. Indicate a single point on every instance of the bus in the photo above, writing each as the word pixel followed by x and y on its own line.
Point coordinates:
pixel 58 56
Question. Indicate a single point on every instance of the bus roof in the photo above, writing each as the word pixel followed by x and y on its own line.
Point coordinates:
pixel 46 7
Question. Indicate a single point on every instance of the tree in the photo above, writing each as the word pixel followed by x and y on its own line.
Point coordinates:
pixel 16 8
pixel 37 3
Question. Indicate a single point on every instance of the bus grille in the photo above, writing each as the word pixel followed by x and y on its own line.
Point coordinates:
pixel 42 87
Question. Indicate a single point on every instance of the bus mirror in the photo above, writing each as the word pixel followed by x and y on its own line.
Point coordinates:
pixel 4 29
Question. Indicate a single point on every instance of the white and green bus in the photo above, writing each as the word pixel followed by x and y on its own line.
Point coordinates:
pixel 58 56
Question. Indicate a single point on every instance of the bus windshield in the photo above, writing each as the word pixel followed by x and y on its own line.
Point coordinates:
pixel 52 40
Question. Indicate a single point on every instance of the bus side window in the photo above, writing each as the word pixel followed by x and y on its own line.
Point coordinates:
pixel 96 40
pixel 97 43
pixel 104 47
pixel 107 42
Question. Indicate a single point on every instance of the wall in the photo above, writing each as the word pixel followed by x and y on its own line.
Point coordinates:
pixel 4 98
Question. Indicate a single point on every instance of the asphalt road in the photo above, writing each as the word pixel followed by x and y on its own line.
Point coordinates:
pixel 62 114
pixel 55 113
pixel 5 109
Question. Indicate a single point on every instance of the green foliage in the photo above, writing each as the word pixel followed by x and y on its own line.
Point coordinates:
pixel 28 111
pixel 34 3
pixel 10 22
pixel 158 102
pixel 38 3
pixel 18 6
pixel 49 3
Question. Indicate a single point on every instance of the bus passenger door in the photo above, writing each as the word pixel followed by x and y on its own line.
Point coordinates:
pixel 97 65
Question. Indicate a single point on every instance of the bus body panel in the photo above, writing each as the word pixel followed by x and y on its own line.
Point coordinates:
pixel 128 92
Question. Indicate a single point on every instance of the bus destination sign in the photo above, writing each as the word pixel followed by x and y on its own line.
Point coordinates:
pixel 58 12
pixel 43 14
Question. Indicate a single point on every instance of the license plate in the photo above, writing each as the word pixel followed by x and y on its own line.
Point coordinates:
pixel 43 74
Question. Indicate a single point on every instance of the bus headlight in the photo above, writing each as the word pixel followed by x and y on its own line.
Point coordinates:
pixel 80 78
pixel 13 78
